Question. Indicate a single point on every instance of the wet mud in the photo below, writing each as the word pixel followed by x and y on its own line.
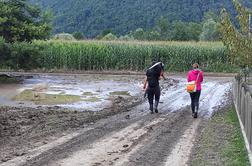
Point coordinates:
pixel 123 133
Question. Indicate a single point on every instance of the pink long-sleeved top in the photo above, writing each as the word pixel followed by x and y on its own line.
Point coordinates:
pixel 192 76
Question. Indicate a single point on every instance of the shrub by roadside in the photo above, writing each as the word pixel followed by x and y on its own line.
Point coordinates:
pixel 20 55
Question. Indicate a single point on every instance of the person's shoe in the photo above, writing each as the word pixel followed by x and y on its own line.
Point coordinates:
pixel 195 115
pixel 151 112
pixel 156 110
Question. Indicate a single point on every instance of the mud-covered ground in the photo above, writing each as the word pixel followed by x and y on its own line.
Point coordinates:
pixel 125 133
pixel 24 128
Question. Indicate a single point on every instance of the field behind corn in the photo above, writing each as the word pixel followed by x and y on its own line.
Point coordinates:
pixel 133 55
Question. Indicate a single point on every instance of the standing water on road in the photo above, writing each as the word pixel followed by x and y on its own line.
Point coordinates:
pixel 214 94
pixel 95 92
pixel 88 92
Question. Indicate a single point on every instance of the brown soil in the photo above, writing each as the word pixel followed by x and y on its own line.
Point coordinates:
pixel 123 134
pixel 22 129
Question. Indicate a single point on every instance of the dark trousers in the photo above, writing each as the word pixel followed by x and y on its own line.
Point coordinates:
pixel 153 92
pixel 195 96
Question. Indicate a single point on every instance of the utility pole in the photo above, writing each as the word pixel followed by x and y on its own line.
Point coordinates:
pixel 249 34
pixel 249 24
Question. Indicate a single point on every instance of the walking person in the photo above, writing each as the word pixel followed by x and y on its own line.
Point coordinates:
pixel 151 84
pixel 195 75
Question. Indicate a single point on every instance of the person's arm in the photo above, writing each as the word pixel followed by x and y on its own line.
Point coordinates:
pixel 145 83
pixel 162 74
pixel 201 76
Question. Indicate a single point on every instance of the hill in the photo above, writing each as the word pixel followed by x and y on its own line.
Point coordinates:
pixel 93 16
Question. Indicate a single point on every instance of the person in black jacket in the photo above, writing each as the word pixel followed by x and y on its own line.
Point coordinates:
pixel 151 84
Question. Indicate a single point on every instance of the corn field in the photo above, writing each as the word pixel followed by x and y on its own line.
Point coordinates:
pixel 134 56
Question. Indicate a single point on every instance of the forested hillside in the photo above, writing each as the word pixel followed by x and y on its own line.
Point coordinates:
pixel 91 17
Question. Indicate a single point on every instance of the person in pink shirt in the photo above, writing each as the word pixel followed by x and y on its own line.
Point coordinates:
pixel 195 75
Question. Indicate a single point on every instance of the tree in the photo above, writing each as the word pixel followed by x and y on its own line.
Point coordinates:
pixel 109 36
pixel 184 31
pixel 4 52
pixel 139 34
pixel 152 35
pixel 179 32
pixel 194 30
pixel 78 35
pixel 104 33
pixel 163 28
pixel 20 21
pixel 238 41
pixel 210 15
pixel 210 31
pixel 92 16
pixel 126 38
pixel 63 36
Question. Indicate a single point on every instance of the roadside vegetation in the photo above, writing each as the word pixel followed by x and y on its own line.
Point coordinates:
pixel 220 141
pixel 4 79
pixel 22 45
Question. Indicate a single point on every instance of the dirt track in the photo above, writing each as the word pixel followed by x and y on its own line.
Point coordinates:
pixel 123 135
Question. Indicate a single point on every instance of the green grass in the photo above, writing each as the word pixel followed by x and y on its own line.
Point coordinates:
pixel 8 80
pixel 234 152
pixel 92 99
pixel 88 94
pixel 221 142
pixel 46 99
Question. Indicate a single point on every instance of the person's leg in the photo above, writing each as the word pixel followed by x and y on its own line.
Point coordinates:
pixel 157 98
pixel 197 97
pixel 150 93
pixel 192 95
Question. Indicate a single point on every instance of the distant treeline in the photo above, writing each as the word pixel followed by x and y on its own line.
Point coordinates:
pixel 91 17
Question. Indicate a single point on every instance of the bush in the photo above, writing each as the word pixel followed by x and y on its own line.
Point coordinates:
pixel 126 38
pixel 78 35
pixel 4 52
pixel 64 36
pixel 25 56
pixel 20 55
pixel 109 36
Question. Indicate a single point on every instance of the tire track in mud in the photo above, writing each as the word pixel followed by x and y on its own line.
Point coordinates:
pixel 139 139
pixel 158 144
pixel 113 124
pixel 83 141
pixel 92 156
pixel 176 152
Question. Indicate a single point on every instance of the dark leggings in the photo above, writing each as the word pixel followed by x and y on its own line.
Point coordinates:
pixel 153 92
pixel 195 100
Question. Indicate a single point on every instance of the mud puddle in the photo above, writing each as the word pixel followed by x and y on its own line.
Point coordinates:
pixel 84 92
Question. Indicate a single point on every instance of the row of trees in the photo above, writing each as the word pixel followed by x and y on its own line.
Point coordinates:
pixel 93 16
pixel 208 30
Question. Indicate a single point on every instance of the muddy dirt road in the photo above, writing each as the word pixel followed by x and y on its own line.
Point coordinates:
pixel 131 135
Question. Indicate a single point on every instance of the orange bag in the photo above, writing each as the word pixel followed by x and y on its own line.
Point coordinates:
pixel 191 86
